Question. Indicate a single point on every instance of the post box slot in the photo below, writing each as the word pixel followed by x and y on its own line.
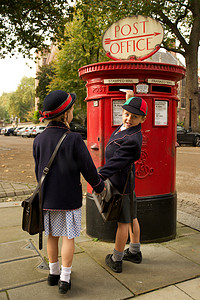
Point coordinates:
pixel 161 89
pixel 116 88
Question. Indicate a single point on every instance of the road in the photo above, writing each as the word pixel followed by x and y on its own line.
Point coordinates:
pixel 188 174
pixel 17 164
pixel 16 160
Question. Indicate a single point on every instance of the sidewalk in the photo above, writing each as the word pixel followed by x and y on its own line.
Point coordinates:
pixel 169 270
pixel 12 189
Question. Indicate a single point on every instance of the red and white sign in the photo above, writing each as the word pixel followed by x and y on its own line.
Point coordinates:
pixel 135 36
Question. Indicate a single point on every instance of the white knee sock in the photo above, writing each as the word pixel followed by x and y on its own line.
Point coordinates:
pixel 65 273
pixel 54 268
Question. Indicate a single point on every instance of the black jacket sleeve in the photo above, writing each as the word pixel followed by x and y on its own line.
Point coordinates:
pixel 127 153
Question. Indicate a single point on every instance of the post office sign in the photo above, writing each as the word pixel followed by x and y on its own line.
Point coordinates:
pixel 135 36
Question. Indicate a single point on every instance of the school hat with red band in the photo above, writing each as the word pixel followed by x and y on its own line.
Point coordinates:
pixel 136 105
pixel 56 103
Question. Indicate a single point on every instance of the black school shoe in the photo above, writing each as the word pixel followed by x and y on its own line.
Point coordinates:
pixel 116 266
pixel 53 279
pixel 135 258
pixel 64 286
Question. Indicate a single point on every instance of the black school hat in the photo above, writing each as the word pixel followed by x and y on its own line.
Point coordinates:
pixel 56 103
pixel 136 105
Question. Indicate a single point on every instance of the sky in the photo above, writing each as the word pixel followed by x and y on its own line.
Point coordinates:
pixel 12 70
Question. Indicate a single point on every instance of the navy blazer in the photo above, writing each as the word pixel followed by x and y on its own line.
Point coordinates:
pixel 123 148
pixel 62 188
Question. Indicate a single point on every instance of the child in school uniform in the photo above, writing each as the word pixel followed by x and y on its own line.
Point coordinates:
pixel 122 150
pixel 62 189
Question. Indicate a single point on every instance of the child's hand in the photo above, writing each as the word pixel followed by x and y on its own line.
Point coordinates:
pixel 129 94
pixel 103 193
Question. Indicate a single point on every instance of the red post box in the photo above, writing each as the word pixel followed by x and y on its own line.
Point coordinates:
pixel 156 169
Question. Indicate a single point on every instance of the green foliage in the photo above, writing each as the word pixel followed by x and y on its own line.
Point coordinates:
pixel 4 104
pixel 86 23
pixel 36 117
pixel 22 101
pixel 29 24
pixel 4 115
pixel 82 47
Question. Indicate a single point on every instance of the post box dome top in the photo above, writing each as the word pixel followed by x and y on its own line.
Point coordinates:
pixel 132 37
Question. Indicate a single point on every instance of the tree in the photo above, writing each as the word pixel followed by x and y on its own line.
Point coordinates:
pixel 4 104
pixel 4 116
pixel 22 100
pixel 181 22
pixel 82 47
pixel 30 24
pixel 32 21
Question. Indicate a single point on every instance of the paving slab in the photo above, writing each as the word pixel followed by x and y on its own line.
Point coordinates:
pixel 10 216
pixel 182 231
pixel 160 267
pixel 89 281
pixel 16 250
pixel 3 296
pixel 191 287
pixel 168 293
pixel 188 246
pixel 20 272
pixel 189 219
pixel 9 234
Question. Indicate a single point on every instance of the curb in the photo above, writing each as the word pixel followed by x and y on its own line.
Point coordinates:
pixel 15 193
pixel 188 219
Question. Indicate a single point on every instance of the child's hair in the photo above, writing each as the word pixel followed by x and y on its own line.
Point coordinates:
pixel 62 118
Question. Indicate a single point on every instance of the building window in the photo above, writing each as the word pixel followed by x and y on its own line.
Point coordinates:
pixel 183 103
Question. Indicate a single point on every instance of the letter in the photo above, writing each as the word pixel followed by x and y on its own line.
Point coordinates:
pixel 136 29
pixel 129 31
pixel 117 29
pixel 137 45
pixel 113 50
pixel 144 25
pixel 128 45
pixel 122 46
pixel 148 42
pixel 133 45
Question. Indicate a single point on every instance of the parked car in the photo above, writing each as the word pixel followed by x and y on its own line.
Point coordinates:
pixel 3 130
pixel 9 131
pixel 37 130
pixel 28 131
pixel 20 132
pixel 17 130
pixel 76 127
pixel 185 136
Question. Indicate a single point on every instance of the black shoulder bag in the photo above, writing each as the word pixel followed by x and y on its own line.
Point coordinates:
pixel 32 219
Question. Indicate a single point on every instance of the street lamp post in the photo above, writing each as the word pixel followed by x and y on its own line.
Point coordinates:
pixel 190 116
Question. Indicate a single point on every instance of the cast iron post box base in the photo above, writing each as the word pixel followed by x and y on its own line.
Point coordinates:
pixel 156 215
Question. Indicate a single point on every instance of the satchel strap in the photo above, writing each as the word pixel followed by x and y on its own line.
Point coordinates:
pixel 46 169
pixel 129 173
pixel 39 186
